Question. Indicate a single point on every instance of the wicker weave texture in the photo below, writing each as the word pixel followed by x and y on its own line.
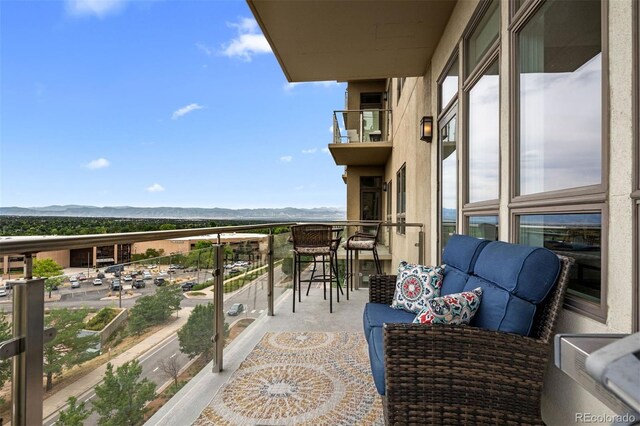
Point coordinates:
pixel 382 288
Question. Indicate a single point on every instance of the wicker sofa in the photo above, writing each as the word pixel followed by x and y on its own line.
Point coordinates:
pixel 489 372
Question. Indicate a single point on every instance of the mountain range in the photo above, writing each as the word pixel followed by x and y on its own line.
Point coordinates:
pixel 285 214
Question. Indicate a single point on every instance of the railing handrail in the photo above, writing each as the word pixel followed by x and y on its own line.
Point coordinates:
pixel 36 244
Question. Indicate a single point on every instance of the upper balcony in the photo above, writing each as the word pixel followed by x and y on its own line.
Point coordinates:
pixel 361 137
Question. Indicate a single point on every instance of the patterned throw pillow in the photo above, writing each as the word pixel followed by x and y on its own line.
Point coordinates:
pixel 415 285
pixel 456 308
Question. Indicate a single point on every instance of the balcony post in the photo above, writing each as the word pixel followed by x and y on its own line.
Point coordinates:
pixel 270 283
pixel 218 303
pixel 421 247
pixel 28 322
pixel 361 136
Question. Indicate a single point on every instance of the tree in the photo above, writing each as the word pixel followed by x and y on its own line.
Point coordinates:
pixel 46 268
pixel 171 369
pixel 122 397
pixel 170 296
pixel 74 415
pixel 5 334
pixel 69 347
pixel 195 336
pixel 52 283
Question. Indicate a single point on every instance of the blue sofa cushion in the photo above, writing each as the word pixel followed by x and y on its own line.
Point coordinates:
pixel 526 272
pixel 453 281
pixel 376 314
pixel 462 252
pixel 501 310
pixel 376 356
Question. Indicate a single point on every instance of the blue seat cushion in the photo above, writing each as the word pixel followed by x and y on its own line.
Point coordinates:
pixel 501 310
pixel 376 356
pixel 526 272
pixel 462 251
pixel 454 280
pixel 376 314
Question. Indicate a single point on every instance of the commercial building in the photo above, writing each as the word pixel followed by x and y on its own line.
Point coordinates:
pixel 512 120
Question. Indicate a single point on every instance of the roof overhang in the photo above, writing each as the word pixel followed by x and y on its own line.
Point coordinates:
pixel 345 40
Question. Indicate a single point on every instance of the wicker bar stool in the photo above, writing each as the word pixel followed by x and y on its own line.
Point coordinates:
pixel 361 241
pixel 311 242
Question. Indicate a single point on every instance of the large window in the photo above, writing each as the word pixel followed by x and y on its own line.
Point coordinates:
pixel 401 197
pixel 483 136
pixel 449 84
pixel 485 227
pixel 559 180
pixel 483 36
pixel 370 198
pixel 559 65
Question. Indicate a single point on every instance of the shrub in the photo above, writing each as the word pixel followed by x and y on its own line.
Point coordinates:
pixel 197 293
pixel 101 319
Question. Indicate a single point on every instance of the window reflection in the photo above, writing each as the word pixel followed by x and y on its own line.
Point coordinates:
pixel 449 86
pixel 560 73
pixel 483 36
pixel 448 156
pixel 484 114
pixel 485 227
pixel 574 235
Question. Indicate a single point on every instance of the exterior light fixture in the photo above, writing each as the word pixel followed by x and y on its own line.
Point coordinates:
pixel 426 128
pixel 384 186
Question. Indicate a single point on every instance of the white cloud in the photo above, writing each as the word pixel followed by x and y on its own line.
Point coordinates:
pixel 185 110
pixel 310 151
pixel 286 159
pixel 248 42
pixel 156 187
pixel 331 129
pixel 325 149
pixel 98 8
pixel 204 48
pixel 100 163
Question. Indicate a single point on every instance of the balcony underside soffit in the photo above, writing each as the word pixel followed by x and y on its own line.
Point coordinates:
pixel 352 40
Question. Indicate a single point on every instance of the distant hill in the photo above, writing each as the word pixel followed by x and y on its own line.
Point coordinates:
pixel 284 214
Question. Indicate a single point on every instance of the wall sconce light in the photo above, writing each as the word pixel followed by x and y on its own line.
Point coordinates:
pixel 426 128
pixel 384 186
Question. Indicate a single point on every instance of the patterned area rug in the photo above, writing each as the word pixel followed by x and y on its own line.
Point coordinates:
pixel 300 379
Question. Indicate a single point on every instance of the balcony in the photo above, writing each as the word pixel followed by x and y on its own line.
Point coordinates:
pixel 261 284
pixel 361 137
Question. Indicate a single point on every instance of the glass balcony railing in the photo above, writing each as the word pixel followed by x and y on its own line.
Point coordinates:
pixel 369 125
pixel 165 317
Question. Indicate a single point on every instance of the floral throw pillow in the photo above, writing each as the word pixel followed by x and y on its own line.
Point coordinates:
pixel 415 285
pixel 458 308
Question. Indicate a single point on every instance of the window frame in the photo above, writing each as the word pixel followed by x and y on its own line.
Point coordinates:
pixel 452 110
pixel 572 302
pixel 487 207
pixel 589 193
pixel 590 198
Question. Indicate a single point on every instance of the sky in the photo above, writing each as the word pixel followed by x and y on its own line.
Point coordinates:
pixel 157 103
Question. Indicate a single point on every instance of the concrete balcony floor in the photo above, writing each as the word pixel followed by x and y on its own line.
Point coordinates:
pixel 311 315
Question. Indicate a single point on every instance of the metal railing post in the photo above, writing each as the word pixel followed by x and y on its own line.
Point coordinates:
pixel 421 247
pixel 218 303
pixel 270 278
pixel 28 322
pixel 361 136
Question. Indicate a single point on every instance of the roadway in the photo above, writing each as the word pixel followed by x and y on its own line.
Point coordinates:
pixel 252 295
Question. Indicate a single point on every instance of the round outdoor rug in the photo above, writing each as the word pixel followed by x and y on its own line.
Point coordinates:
pixel 300 379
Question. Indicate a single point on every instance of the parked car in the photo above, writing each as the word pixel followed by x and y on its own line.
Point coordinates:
pixel 114 268
pixel 188 285
pixel 236 309
pixel 116 285
pixel 138 283
pixel 75 284
pixel 158 281
pixel 192 269
pixel 3 291
pixel 100 275
pixel 81 277
pixel 146 275
pixel 127 278
pixel 117 274
pixel 97 281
